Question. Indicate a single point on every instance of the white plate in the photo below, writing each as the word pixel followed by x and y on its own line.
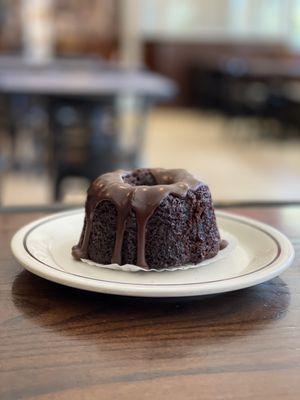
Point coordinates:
pixel 261 253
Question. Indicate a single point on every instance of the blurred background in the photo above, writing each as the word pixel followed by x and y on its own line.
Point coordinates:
pixel 88 86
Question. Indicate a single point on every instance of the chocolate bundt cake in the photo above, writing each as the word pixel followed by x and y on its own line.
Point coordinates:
pixel 153 218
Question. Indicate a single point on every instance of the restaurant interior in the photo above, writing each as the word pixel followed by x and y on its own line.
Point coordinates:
pixel 156 289
pixel 89 86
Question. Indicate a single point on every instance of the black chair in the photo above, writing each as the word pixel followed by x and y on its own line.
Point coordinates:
pixel 85 139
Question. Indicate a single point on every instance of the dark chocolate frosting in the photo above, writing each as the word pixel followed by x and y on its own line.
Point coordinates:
pixel 142 199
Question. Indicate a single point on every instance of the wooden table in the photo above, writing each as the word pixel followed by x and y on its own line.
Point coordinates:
pixel 62 343
pixel 79 77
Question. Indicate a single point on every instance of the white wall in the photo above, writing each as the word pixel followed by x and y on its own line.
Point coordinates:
pixel 215 20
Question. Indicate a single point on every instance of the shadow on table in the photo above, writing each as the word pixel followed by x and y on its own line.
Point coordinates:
pixel 97 317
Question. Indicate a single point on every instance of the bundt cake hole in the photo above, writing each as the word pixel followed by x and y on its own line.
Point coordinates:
pixel 143 177
pixel 140 177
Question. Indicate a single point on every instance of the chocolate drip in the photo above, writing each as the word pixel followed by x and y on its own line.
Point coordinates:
pixel 223 244
pixel 142 199
pixel 121 224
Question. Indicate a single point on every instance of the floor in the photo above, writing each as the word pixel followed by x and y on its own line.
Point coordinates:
pixel 227 155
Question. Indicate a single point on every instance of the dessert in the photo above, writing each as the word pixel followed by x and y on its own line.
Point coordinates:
pixel 154 218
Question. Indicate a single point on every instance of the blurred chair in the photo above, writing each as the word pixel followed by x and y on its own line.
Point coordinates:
pixel 84 139
pixel 235 90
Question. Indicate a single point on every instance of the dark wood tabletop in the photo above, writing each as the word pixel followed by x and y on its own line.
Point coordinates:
pixel 63 343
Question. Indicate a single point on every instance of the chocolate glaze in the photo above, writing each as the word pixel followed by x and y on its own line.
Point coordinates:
pixel 223 244
pixel 142 199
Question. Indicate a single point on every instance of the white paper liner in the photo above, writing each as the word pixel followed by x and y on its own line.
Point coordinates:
pixel 232 242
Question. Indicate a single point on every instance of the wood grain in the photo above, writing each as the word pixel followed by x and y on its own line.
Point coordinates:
pixel 62 343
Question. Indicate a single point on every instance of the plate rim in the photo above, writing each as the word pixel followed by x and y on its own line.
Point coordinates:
pixel 281 262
